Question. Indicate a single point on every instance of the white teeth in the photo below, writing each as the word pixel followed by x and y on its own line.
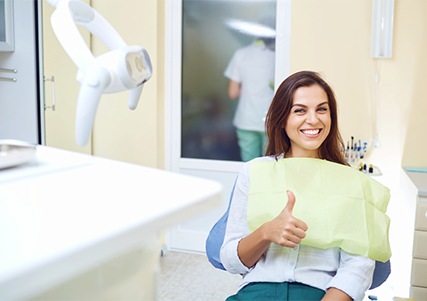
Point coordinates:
pixel 311 132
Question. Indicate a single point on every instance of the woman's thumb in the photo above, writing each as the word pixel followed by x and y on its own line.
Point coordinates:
pixel 291 201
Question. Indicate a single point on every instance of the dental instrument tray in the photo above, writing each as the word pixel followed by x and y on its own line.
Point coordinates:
pixel 15 152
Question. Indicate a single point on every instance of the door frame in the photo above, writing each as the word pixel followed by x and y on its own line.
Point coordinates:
pixel 40 58
pixel 193 241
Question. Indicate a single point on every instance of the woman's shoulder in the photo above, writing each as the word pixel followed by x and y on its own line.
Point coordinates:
pixel 246 165
pixel 265 159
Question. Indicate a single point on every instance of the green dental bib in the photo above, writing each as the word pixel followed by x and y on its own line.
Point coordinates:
pixel 341 206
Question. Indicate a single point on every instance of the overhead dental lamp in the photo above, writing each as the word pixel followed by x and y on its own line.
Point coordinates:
pixel 122 68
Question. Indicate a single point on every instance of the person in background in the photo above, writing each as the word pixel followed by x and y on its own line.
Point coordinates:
pixel 301 123
pixel 251 81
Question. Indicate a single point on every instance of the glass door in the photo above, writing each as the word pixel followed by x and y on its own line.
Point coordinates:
pixel 223 59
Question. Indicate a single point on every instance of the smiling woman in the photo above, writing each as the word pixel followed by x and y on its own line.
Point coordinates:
pixel 268 236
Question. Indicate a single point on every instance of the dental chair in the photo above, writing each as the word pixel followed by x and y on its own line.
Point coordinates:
pixel 216 238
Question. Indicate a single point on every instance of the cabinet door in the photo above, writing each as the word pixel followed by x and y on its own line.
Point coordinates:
pixel 421 214
pixel 61 89
pixel 418 293
pixel 419 273
pixel 420 245
pixel 19 99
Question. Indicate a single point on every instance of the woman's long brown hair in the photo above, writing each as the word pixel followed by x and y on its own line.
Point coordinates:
pixel 280 108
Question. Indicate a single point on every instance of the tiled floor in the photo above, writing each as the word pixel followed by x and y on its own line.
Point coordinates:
pixel 190 277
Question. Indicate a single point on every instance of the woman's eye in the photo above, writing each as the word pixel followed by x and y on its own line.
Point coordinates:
pixel 323 109
pixel 299 111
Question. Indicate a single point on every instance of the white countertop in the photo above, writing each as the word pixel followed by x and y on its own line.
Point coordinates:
pixel 66 212
pixel 420 181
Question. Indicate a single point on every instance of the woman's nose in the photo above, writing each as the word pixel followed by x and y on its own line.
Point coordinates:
pixel 311 117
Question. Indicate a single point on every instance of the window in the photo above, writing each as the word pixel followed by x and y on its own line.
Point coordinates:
pixel 209 40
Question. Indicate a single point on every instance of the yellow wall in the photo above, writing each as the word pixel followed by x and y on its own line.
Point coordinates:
pixel 329 36
pixel 410 81
pixel 60 123
pixel 333 37
pixel 119 133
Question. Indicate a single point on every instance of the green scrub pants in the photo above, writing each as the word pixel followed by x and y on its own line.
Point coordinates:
pixel 251 143
pixel 281 291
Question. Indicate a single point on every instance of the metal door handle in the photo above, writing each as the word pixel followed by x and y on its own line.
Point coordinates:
pixel 52 96
pixel 8 70
pixel 8 79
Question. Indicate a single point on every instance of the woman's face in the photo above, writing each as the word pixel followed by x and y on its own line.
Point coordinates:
pixel 309 121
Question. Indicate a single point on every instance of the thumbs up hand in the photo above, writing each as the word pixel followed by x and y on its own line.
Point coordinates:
pixel 285 229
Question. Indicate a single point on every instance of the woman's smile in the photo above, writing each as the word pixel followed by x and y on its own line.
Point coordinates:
pixel 309 121
pixel 311 133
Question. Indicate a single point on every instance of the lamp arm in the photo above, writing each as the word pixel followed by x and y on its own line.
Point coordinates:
pixel 122 68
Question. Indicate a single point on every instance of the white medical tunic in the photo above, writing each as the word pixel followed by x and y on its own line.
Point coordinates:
pixel 253 67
